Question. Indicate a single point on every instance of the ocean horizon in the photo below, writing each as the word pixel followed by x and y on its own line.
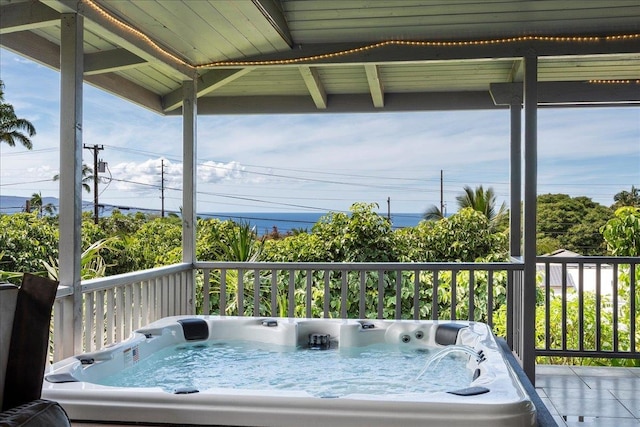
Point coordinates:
pixel 264 222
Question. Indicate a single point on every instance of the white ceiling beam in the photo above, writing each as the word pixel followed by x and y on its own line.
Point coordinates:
pixel 207 83
pixel 353 53
pixel 571 93
pixel 345 103
pixel 375 85
pixel 315 87
pixel 517 71
pixel 272 11
pixel 26 16
pixel 110 60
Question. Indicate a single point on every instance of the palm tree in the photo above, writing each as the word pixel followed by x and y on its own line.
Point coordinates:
pixel 627 198
pixel 87 177
pixel 36 202
pixel 478 199
pixel 482 201
pixel 12 128
pixel 433 213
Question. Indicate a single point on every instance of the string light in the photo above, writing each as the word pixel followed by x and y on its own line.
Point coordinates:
pixel 425 43
pixel 128 28
pixel 615 81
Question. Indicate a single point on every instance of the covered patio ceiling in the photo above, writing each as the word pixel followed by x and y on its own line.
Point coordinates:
pixel 304 56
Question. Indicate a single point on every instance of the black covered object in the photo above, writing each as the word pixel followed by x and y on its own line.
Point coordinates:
pixel 37 413
pixel 194 329
pixel 29 345
pixel 447 333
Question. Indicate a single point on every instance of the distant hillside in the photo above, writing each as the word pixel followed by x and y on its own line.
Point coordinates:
pixel 14 204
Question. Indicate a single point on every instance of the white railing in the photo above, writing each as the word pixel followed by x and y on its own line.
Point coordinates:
pixel 113 307
pixel 471 291
pixel 588 307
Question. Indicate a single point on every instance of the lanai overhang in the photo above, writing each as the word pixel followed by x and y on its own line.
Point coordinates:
pixel 304 56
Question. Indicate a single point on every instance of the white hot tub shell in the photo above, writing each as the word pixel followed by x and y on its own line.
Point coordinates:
pixel 494 398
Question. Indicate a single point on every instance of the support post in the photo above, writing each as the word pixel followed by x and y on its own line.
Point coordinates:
pixel 189 145
pixel 528 348
pixel 71 68
pixel 515 224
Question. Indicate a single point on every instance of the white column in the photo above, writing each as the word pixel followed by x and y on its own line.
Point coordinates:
pixel 189 178
pixel 530 207
pixel 515 211
pixel 71 67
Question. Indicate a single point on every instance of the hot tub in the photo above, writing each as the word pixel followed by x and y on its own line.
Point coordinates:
pixel 235 372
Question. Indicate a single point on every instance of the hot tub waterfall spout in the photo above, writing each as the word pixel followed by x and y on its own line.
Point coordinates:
pixel 436 358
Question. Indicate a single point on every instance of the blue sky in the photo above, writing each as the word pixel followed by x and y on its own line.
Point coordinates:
pixel 313 162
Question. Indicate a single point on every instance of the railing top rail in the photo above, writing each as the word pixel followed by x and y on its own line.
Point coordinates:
pixel 135 276
pixel 588 260
pixel 361 266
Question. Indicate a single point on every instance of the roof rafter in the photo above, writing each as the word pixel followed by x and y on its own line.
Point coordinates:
pixel 26 16
pixel 375 85
pixel 110 60
pixel 125 37
pixel 207 83
pixel 316 89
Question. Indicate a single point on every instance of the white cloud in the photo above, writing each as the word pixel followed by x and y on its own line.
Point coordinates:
pixel 325 160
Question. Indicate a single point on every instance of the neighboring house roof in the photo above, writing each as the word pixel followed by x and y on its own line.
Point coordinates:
pixel 555 276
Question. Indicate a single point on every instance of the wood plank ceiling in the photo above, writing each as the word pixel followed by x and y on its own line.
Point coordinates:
pixel 293 56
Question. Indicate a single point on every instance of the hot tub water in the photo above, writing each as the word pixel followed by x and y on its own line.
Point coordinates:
pixel 377 369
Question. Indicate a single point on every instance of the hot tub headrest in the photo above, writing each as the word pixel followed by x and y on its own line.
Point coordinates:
pixel 447 333
pixel 194 329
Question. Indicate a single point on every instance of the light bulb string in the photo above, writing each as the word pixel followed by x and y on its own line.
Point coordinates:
pixel 346 52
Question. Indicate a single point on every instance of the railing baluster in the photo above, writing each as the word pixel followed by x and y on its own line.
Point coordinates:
pixel 581 306
pixel 490 290
pixel 240 292
pixel 206 289
pixel 100 319
pixel 472 295
pixel 381 276
pixel 256 293
pixel 398 294
pixel 363 294
pixel 547 306
pixel 563 326
pixel 344 288
pixel 326 300
pixel 615 307
pixel 111 308
pixel 598 309
pixel 292 296
pixel 223 291
pixel 136 306
pixel 88 322
pixel 416 294
pixel 632 306
pixel 119 321
pixel 308 293
pixel 274 292
pixel 434 295
pixel 454 293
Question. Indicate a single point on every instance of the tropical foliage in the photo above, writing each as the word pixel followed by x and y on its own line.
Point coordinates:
pixel 122 243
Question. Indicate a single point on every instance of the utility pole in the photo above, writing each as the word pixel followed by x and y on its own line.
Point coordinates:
pixel 95 149
pixel 442 192
pixel 162 186
pixel 389 208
